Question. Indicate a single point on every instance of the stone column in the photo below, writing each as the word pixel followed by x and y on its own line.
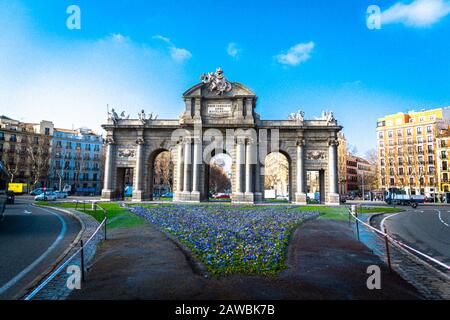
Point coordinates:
pixel 138 193
pixel 187 166
pixel 108 192
pixel 257 191
pixel 333 196
pixel 249 165
pixel 300 195
pixel 179 170
pixel 197 164
pixel 240 160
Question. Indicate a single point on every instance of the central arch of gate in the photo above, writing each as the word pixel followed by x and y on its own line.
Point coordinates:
pixel 219 117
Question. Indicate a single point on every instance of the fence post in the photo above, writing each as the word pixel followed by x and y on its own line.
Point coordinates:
pixel 104 214
pixel 84 205
pixel 388 254
pixel 357 224
pixel 349 216
pixel 82 260
pixel 76 204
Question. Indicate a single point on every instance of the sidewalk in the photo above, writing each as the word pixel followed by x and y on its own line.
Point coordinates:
pixel 324 259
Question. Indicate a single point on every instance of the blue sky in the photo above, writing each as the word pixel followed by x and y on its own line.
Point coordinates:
pixel 309 55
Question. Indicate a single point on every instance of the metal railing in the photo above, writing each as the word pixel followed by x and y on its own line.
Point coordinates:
pixel 390 240
pixel 78 252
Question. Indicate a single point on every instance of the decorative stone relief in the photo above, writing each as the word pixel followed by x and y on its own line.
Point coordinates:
pixel 315 155
pixel 217 82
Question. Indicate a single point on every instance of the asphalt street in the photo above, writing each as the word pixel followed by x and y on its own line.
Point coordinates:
pixel 31 239
pixel 426 229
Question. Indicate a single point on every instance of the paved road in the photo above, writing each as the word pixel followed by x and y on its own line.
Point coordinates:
pixel 31 239
pixel 426 229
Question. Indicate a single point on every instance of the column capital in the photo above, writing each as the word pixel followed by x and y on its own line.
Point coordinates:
pixel 197 140
pixel 301 142
pixel 240 140
pixel 186 140
pixel 250 140
pixel 333 142
pixel 109 140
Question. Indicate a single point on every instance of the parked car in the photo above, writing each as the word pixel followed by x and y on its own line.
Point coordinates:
pixel 221 196
pixel 10 197
pixel 39 191
pixel 46 196
pixel 61 194
pixel 167 195
pixel 128 191
pixel 342 198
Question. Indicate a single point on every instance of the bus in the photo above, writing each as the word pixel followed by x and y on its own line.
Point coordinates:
pixel 4 178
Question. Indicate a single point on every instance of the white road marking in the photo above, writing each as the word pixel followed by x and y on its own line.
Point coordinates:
pixel 27 212
pixel 442 220
pixel 25 271
pixel 387 217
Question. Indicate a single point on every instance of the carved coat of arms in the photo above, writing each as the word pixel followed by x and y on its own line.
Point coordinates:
pixel 315 155
pixel 217 82
pixel 126 153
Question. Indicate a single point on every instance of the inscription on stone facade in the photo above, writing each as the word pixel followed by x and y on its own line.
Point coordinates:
pixel 219 109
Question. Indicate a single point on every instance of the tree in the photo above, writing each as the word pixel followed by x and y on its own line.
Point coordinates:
pixel 12 163
pixel 371 179
pixel 219 180
pixel 276 170
pixel 163 170
pixel 38 152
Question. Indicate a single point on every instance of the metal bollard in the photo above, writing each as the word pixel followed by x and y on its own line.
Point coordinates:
pixel 357 225
pixel 388 254
pixel 82 260
pixel 94 206
pixel 104 214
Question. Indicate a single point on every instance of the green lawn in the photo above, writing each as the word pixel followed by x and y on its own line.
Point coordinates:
pixel 341 213
pixel 117 217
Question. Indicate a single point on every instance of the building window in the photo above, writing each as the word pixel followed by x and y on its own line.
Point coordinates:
pixel 429 138
pixel 408 131
pixel 419 130
pixel 390 134
pixel 380 136
pixel 47 131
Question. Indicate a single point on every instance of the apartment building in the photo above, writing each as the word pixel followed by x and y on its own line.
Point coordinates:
pixel 342 163
pixel 25 149
pixel 407 150
pixel 76 163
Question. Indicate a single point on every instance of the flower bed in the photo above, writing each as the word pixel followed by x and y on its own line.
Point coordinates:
pixel 229 239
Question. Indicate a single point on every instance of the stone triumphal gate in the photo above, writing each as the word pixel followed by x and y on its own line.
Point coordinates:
pixel 220 117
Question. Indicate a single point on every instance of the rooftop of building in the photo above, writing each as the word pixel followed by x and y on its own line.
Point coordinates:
pixel 414 113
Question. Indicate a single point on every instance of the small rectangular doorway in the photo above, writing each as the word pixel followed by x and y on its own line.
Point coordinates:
pixel 124 185
pixel 315 186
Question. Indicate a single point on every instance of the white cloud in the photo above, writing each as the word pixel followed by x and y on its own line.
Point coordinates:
pixel 419 13
pixel 233 50
pixel 162 38
pixel 178 54
pixel 70 82
pixel 119 38
pixel 297 54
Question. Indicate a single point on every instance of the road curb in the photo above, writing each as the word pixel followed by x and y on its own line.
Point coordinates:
pixel 415 259
pixel 61 257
